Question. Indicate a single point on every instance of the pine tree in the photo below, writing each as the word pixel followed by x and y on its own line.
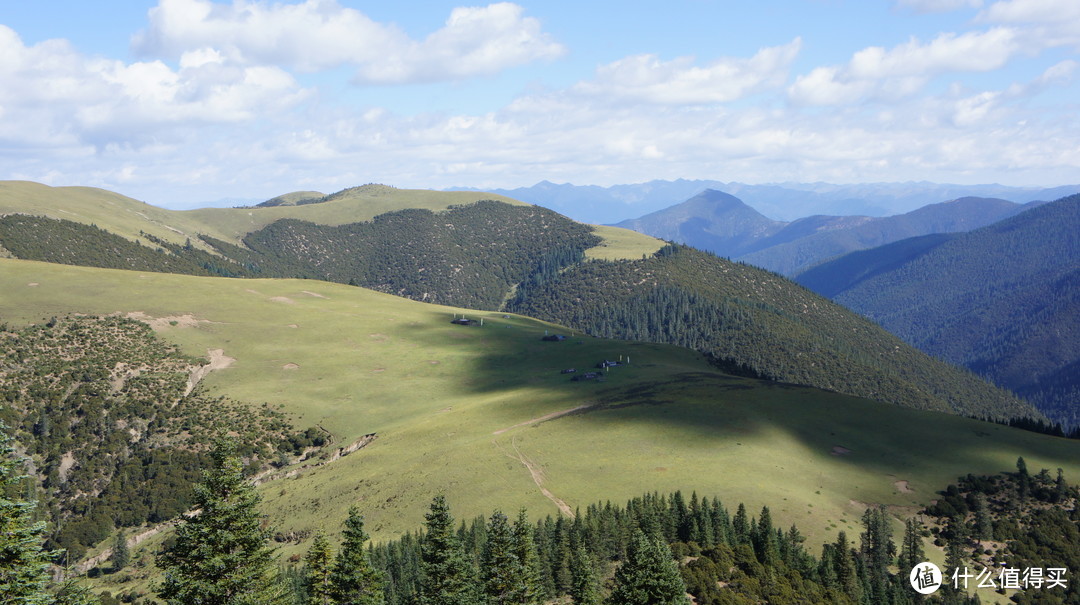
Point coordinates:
pixel 500 567
pixel 847 579
pixel 353 580
pixel 121 555
pixel 24 566
pixel 317 564
pixel 584 583
pixel 649 576
pixel 221 555
pixel 525 549
pixel 447 576
pixel 911 551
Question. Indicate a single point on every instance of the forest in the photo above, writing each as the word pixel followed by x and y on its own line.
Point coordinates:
pixel 654 549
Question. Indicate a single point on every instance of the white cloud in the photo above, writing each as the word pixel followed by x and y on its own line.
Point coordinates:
pixel 1032 11
pixel 877 73
pixel 316 35
pixel 938 6
pixel 1044 23
pixel 53 95
pixel 646 78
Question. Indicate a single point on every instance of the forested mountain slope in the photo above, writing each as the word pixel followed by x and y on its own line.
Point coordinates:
pixel 1003 300
pixel 761 322
pixel 489 254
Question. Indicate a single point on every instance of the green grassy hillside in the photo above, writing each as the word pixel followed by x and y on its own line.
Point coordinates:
pixel 129 218
pixel 483 414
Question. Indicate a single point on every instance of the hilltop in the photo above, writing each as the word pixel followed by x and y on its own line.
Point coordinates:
pixel 492 255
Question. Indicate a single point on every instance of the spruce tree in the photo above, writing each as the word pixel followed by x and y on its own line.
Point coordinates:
pixel 24 565
pixel 221 555
pixel 447 577
pixel 121 555
pixel 500 567
pixel 525 549
pixel 354 580
pixel 584 583
pixel 317 566
pixel 911 550
pixel 649 575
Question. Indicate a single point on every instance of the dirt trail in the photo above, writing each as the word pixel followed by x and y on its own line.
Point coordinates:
pixel 537 476
pixel 543 418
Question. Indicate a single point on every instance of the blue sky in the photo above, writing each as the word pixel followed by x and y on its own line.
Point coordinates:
pixel 178 102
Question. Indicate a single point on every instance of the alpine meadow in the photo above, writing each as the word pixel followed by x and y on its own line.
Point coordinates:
pixel 374 349
pixel 343 302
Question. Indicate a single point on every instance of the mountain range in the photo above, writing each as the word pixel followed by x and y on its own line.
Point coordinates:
pixel 378 346
pixel 725 225
pixel 1002 300
pixel 782 202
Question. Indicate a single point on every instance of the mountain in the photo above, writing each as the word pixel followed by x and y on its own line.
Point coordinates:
pixel 785 201
pixel 480 413
pixel 723 224
pixel 491 254
pixel 113 381
pixel 1002 300
pixel 711 220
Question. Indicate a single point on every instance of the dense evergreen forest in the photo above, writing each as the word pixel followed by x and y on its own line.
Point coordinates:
pixel 757 321
pixel 101 407
pixel 1001 300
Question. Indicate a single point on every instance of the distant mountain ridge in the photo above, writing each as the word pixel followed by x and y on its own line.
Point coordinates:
pixel 781 201
pixel 1003 300
pixel 723 224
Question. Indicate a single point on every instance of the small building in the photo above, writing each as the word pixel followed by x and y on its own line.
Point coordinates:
pixel 554 338
pixel 461 321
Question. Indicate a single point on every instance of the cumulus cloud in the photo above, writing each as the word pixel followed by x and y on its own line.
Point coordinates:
pixel 648 79
pixel 875 72
pixel 54 93
pixel 316 35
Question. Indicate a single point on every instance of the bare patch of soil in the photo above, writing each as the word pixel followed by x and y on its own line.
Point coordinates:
pixel 290 366
pixel 839 450
pixel 218 361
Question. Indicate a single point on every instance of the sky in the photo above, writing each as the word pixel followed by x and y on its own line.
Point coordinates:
pixel 182 102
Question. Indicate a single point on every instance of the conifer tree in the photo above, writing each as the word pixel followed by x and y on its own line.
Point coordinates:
pixel 500 567
pixel 529 558
pixel 353 579
pixel 24 565
pixel 911 550
pixel 317 564
pixel 649 576
pixel 447 576
pixel 121 555
pixel 221 555
pixel 847 579
pixel 584 583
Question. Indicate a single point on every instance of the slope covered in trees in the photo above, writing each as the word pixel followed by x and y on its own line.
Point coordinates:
pixel 101 407
pixel 1002 300
pixel 759 322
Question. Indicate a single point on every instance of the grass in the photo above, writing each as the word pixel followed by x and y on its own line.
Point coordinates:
pixel 438 396
pixel 126 217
